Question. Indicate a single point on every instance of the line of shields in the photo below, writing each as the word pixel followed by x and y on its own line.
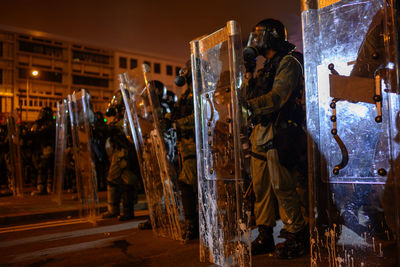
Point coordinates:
pixel 221 140
pixel 354 143
pixel 353 107
pixel 74 118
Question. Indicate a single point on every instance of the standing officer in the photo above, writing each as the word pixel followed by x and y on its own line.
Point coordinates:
pixel 44 130
pixel 183 117
pixel 274 96
pixel 121 180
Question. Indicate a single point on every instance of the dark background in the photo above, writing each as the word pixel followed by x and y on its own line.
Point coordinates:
pixel 160 28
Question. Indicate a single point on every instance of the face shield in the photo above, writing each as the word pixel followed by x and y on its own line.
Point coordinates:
pixel 256 38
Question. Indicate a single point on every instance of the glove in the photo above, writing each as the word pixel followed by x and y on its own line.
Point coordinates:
pixel 250 65
pixel 250 57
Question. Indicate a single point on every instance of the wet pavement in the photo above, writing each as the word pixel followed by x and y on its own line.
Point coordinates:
pixel 109 243
pixel 36 231
pixel 33 209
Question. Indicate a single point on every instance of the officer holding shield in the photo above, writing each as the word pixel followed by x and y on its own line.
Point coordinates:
pixel 273 99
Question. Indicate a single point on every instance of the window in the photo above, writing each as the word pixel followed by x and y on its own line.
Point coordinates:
pixel 122 62
pixel 1 76
pixel 40 49
pixel 157 68
pixel 77 79
pixel 133 63
pixel 177 69
pixel 148 63
pixel 90 57
pixel 1 49
pixel 169 70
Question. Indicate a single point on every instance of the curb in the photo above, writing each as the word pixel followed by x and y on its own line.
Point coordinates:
pixel 28 218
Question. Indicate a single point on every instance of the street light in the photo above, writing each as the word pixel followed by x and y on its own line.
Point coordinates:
pixel 34 74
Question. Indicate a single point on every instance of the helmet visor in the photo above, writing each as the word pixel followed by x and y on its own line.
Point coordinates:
pixel 256 38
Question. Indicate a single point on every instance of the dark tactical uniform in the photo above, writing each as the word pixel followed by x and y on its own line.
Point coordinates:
pixel 279 84
pixel 99 138
pixel 277 144
pixel 183 116
pixel 122 179
pixel 29 171
pixel 43 131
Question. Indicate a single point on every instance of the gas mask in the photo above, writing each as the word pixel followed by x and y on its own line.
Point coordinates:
pixel 255 45
pixel 268 34
pixel 184 77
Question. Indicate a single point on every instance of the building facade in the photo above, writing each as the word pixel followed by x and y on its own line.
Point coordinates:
pixel 37 72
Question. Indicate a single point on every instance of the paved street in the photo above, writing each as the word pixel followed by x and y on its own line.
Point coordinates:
pixel 75 242
pixel 36 231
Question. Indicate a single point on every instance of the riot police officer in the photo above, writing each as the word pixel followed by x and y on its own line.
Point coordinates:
pixel 43 131
pixel 183 117
pixel 121 179
pixel 273 97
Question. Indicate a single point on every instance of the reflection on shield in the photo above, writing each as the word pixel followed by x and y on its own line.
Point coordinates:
pixel 221 135
pixel 351 70
pixel 81 116
pixel 59 157
pixel 14 155
pixel 158 173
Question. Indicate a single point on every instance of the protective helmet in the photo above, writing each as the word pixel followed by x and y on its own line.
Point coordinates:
pixel 46 114
pixel 116 106
pixel 99 117
pixel 160 89
pixel 168 101
pixel 185 75
pixel 267 34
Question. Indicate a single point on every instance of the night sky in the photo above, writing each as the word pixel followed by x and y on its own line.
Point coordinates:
pixel 152 27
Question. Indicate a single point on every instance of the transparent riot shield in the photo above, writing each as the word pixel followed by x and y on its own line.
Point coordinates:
pixel 352 100
pixel 221 137
pixel 158 176
pixel 162 150
pixel 14 156
pixel 59 155
pixel 82 117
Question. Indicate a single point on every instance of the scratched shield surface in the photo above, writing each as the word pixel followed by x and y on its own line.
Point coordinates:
pixel 82 117
pixel 221 141
pixel 352 100
pixel 59 153
pixel 158 173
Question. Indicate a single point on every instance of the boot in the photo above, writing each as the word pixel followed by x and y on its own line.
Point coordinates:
pixel 296 245
pixel 40 190
pixel 264 243
pixel 128 203
pixel 189 202
pixel 191 229
pixel 145 225
pixel 113 200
